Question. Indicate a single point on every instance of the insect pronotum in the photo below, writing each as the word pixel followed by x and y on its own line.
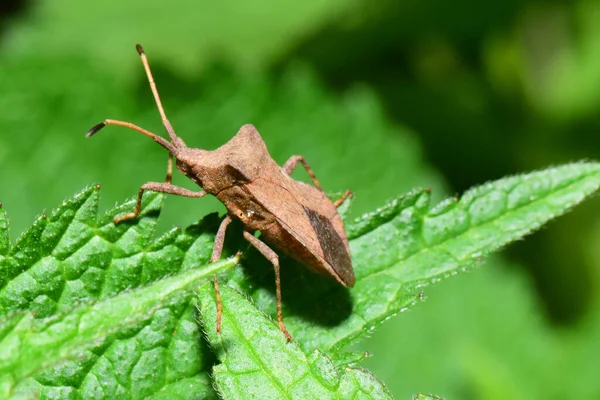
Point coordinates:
pixel 293 217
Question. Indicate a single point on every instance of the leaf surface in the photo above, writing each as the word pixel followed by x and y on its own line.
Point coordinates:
pixel 78 284
pixel 257 362
pixel 404 246
pixel 103 291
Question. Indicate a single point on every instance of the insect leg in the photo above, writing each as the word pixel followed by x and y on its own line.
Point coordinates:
pixel 341 200
pixel 274 259
pixel 216 255
pixel 157 187
pixel 169 178
pixel 291 164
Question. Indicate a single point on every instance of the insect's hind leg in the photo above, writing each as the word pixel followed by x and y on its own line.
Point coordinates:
pixel 157 187
pixel 215 256
pixel 274 259
pixel 347 194
pixel 291 164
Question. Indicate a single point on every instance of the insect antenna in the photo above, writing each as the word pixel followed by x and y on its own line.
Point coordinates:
pixel 174 138
pixel 162 141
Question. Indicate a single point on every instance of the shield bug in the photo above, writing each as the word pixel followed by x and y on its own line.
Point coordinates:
pixel 293 217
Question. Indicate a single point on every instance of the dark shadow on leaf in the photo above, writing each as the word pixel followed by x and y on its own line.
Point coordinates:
pixel 314 297
pixel 311 296
pixel 208 354
pixel 151 214
pixel 209 223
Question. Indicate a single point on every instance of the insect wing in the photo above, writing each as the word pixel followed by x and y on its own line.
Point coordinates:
pixel 307 215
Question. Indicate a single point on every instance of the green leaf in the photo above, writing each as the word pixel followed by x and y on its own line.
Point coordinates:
pixel 35 345
pixel 4 237
pixel 489 338
pixel 124 347
pixel 72 272
pixel 422 396
pixel 70 256
pixel 256 361
pixel 404 246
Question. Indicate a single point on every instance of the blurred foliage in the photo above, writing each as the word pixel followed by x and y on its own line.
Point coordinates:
pixel 482 336
pixel 487 88
pixel 186 32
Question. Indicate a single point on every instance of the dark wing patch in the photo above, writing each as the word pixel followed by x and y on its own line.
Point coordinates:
pixel 281 198
pixel 238 176
pixel 333 246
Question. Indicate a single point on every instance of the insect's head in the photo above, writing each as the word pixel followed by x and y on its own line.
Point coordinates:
pixel 191 163
pixel 210 169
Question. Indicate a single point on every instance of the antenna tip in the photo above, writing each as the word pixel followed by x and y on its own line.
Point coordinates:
pixel 139 49
pixel 95 129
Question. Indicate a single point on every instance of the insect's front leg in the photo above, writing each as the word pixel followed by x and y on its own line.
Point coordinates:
pixel 291 164
pixel 158 187
pixel 274 259
pixel 169 178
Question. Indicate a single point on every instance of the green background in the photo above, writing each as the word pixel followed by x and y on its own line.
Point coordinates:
pixel 379 99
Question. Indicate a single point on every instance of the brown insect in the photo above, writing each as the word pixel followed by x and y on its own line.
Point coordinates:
pixel 293 217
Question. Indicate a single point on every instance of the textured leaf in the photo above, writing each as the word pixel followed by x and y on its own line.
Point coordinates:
pixel 64 264
pixel 34 345
pixel 257 363
pixel 396 251
pixel 405 246
pixel 488 338
pixel 422 396
pixel 4 237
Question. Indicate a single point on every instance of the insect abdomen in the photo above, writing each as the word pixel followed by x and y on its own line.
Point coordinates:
pixel 281 239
